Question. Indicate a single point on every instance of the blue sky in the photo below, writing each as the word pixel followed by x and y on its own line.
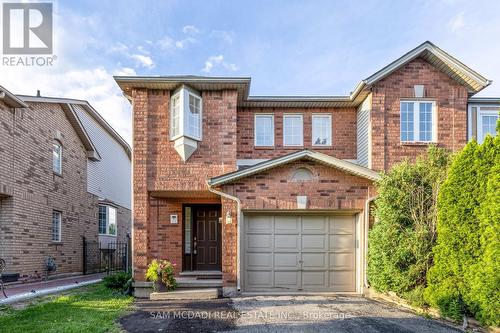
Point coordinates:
pixel 287 47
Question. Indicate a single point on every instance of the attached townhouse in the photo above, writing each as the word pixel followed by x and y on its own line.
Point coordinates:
pixel 64 175
pixel 274 193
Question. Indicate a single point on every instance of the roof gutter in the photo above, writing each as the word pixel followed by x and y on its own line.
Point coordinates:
pixel 238 231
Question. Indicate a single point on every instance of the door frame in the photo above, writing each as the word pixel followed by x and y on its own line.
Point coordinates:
pixel 188 263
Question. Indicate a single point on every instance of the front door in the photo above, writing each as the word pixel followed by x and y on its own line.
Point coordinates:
pixel 207 238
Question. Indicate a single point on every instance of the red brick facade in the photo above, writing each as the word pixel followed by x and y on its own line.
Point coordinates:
pixel 451 103
pixel 163 183
pixel 30 191
pixel 343 132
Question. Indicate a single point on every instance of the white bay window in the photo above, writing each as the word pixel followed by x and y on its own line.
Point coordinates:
pixel 186 109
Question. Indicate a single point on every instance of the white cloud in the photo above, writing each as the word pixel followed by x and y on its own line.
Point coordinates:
pixel 143 60
pixel 169 44
pixel 94 84
pixel 181 44
pixel 190 30
pixel 218 60
pixel 457 22
pixel 226 36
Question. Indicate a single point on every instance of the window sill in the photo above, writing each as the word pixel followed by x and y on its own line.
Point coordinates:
pixel 322 147
pixel 108 235
pixel 264 147
pixel 294 147
pixel 55 243
pixel 57 174
pixel 417 143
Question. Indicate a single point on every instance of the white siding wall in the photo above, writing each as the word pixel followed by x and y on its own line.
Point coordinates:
pixel 363 131
pixel 109 178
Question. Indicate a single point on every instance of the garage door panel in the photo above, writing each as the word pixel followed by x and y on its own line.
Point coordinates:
pixel 259 261
pixel 314 261
pixel 314 281
pixel 286 224
pixel 341 242
pixel 341 225
pixel 259 279
pixel 314 225
pixel 314 242
pixel 286 242
pixel 286 279
pixel 260 224
pixel 286 261
pixel 342 261
pixel 342 281
pixel 259 242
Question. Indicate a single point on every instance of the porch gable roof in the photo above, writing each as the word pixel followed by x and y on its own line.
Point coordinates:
pixel 321 158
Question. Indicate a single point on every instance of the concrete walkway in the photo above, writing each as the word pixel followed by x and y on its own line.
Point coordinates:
pixel 21 292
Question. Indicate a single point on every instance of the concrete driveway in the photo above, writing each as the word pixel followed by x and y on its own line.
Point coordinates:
pixel 276 314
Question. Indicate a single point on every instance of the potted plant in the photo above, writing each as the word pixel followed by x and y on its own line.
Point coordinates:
pixel 161 273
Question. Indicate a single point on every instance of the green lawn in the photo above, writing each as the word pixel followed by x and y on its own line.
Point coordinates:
pixel 86 309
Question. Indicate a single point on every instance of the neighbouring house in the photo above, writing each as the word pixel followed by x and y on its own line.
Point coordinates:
pixel 273 192
pixel 64 175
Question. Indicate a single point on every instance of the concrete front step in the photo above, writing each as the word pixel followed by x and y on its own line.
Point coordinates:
pixel 202 275
pixel 190 282
pixel 193 294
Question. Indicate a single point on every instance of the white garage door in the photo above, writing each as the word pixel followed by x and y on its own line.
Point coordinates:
pixel 299 253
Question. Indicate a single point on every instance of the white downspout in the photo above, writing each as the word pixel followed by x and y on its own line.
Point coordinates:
pixel 238 234
pixel 367 226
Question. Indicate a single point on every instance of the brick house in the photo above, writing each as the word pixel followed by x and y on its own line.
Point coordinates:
pixel 65 173
pixel 274 192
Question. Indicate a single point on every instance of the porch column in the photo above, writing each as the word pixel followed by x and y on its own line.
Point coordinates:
pixel 229 246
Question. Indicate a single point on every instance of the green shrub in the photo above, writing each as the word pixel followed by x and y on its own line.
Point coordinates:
pixel 120 281
pixel 401 241
pixel 465 277
pixel 161 271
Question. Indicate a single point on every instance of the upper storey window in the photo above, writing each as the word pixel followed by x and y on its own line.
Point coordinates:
pixel 185 114
pixel 264 130
pixel 322 130
pixel 417 121
pixel 487 122
pixel 186 109
pixel 293 133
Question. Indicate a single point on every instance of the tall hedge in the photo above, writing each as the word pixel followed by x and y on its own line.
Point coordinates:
pixel 465 277
pixel 401 241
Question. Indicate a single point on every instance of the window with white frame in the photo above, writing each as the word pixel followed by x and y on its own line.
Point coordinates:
pixel 56 226
pixel 264 130
pixel 293 130
pixel 175 113
pixel 322 130
pixel 107 220
pixel 186 114
pixel 57 157
pixel 487 122
pixel 417 121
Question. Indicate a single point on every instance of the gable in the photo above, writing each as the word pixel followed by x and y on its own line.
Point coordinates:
pixel 305 154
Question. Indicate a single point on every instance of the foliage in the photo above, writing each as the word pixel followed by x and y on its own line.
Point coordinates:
pixel 120 281
pixel 164 271
pixel 465 277
pixel 401 241
pixel 87 309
